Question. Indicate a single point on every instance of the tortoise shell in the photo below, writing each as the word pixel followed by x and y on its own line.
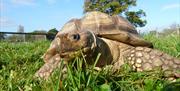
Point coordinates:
pixel 111 27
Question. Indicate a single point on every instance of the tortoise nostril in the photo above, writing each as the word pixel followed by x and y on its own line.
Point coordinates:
pixel 76 36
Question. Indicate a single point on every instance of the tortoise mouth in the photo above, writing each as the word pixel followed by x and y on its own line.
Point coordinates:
pixel 73 54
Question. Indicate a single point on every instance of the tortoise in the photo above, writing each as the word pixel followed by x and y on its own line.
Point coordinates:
pixel 80 36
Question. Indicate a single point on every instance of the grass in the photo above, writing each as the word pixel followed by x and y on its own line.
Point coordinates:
pixel 19 62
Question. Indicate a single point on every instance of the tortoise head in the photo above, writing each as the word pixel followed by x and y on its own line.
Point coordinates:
pixel 70 42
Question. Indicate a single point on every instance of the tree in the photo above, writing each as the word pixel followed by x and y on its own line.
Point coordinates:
pixel 116 7
pixel 51 34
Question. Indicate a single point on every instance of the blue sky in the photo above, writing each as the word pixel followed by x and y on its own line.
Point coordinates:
pixel 48 14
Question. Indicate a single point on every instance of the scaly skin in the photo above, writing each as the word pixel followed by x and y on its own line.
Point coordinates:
pixel 46 70
pixel 143 58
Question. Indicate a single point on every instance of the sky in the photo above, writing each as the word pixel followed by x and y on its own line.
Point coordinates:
pixel 48 14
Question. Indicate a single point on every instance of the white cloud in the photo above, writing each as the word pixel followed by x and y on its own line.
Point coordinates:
pixel 23 2
pixel 171 6
pixel 5 22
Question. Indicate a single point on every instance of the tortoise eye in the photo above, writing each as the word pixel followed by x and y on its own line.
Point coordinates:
pixel 76 36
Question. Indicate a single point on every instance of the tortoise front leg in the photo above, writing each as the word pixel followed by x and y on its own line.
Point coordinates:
pixel 46 70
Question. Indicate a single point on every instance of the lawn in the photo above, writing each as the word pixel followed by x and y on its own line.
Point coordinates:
pixel 19 62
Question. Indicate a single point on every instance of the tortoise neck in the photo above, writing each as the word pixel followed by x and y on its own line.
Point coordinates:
pixel 117 50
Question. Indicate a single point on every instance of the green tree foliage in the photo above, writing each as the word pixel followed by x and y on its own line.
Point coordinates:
pixel 135 18
pixel 51 34
pixel 116 7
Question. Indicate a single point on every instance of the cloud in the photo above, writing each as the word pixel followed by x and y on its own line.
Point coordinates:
pixel 23 2
pixel 5 22
pixel 171 6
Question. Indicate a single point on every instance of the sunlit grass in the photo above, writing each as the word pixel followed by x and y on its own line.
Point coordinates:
pixel 20 61
pixel 169 44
